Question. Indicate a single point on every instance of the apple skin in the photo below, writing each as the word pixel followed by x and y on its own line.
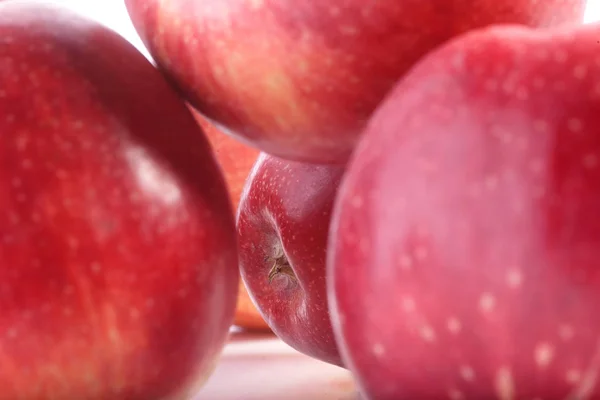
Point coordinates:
pixel 236 160
pixel 118 263
pixel 283 220
pixel 464 257
pixel 299 79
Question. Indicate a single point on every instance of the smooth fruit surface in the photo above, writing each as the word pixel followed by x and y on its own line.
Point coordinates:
pixel 300 79
pixel 465 246
pixel 118 266
pixel 282 224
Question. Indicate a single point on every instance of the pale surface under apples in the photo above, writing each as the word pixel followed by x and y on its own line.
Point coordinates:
pixel 285 213
pixel 465 246
pixel 298 79
pixel 118 269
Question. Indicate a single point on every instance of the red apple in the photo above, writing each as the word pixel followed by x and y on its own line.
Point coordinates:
pixel 465 246
pixel 236 160
pixel 118 266
pixel 282 224
pixel 298 79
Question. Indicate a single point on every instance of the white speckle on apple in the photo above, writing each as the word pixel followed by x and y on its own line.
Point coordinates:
pixel 543 354
pixel 455 394
pixel 334 11
pixel 364 246
pixel 26 163
pixel 536 166
pixel 257 4
pixel 21 197
pixel 408 304
pixel 502 134
pixel 467 373
pixel 575 125
pixel 491 85
pixel 514 278
pixel 134 313
pixel 12 333
pixel 566 332
pixel 357 201
pixel 504 384
pixel 73 242
pixel 405 262
pixel 67 311
pixel 487 302
pixel 573 376
pixel 458 61
pixel 421 253
pixel 559 86
pixel 560 56
pixel 9 118
pixel 14 218
pixel 539 82
pixel 590 161
pixel 580 71
pixel 348 30
pixel 454 325
pixel 491 182
pixel 589 378
pixel 16 182
pixel 427 333
pixel 68 290
pixel 95 267
pixel 182 293
pixel 538 191
pixel 78 124
pixel 427 165
pixel 149 303
pixel 378 350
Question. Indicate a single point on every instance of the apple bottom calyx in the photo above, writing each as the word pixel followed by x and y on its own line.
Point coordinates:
pixel 281 266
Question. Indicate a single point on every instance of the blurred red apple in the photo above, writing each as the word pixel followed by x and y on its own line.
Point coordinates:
pixel 282 223
pixel 298 79
pixel 236 160
pixel 465 246
pixel 118 267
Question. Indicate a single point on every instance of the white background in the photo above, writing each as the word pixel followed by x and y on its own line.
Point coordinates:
pixel 113 14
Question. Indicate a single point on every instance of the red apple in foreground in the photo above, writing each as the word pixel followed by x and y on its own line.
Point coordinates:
pixel 282 224
pixel 298 79
pixel 118 266
pixel 465 246
pixel 236 160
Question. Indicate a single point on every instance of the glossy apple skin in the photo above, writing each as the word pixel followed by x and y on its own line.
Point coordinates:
pixel 236 160
pixel 285 211
pixel 299 79
pixel 465 246
pixel 118 264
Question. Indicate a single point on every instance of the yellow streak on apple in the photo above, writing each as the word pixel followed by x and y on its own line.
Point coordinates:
pixel 261 69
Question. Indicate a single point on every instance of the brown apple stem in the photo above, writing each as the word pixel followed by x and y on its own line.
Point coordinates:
pixel 281 266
